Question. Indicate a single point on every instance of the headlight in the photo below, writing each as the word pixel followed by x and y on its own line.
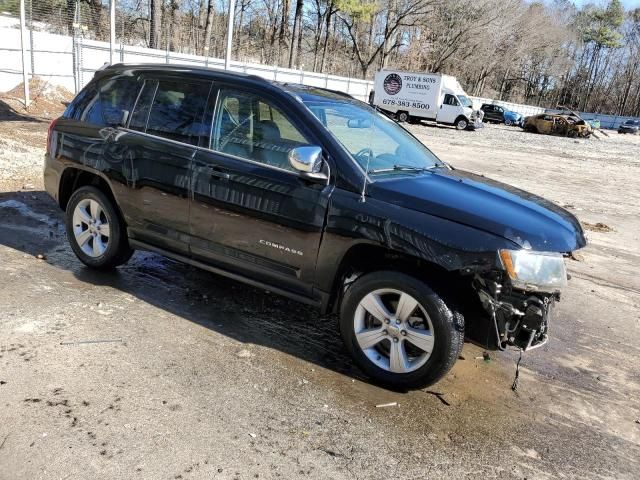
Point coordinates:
pixel 528 270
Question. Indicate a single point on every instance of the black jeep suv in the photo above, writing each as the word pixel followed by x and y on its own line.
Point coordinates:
pixel 314 195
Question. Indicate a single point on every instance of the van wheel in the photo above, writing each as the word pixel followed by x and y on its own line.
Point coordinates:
pixel 461 123
pixel 95 230
pixel 399 331
pixel 402 117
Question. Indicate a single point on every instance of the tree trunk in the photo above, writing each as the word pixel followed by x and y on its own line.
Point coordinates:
pixel 207 29
pixel 330 13
pixel 155 30
pixel 296 29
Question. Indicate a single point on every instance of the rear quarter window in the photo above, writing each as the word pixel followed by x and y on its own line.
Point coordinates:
pixel 103 103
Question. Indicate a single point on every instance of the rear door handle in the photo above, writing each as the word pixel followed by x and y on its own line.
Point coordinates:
pixel 216 172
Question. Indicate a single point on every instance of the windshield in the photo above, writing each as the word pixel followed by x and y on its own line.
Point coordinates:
pixel 465 101
pixel 377 143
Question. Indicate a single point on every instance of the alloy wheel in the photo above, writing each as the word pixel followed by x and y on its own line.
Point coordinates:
pixel 393 330
pixel 91 228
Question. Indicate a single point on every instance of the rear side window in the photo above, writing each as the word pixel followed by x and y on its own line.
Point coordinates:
pixel 109 100
pixel 140 114
pixel 176 112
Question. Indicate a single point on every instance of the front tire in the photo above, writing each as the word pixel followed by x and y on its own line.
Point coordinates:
pixel 96 232
pixel 399 331
pixel 462 123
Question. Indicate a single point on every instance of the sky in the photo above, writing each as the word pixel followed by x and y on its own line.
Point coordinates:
pixel 628 4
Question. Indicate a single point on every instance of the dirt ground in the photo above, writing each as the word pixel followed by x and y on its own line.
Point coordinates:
pixel 160 370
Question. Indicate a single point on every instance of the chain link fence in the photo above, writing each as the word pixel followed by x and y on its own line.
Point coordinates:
pixel 64 42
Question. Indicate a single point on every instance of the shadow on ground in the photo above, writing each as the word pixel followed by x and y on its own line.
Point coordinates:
pixel 32 223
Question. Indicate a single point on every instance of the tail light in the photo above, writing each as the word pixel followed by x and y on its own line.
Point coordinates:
pixel 52 125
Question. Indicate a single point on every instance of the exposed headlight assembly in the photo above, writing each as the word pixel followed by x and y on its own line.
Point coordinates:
pixel 540 271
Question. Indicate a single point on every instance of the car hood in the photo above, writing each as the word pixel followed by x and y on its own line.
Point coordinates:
pixel 525 219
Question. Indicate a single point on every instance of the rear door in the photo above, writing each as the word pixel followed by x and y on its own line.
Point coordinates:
pixel 158 146
pixel 252 214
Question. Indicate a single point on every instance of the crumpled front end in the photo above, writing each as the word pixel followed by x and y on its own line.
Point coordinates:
pixel 519 296
pixel 475 121
pixel 517 318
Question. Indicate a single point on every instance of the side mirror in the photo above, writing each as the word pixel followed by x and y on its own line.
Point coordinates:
pixel 307 160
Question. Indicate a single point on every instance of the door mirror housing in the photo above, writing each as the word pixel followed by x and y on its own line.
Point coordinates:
pixel 306 159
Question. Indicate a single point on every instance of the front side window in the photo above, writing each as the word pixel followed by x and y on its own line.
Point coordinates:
pixel 251 127
pixel 377 143
pixel 110 100
pixel 450 100
pixel 177 110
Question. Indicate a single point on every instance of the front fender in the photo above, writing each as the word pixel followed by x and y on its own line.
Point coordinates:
pixel 450 245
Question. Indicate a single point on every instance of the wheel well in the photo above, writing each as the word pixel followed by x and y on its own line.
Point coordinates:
pixel 361 259
pixel 461 117
pixel 74 178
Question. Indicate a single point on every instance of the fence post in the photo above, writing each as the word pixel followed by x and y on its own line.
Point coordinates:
pixel 25 57
pixel 227 55
pixel 112 30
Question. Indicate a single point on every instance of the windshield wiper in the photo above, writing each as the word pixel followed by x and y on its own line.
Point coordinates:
pixel 402 168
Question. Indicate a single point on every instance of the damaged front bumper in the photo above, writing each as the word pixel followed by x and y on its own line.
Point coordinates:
pixel 475 121
pixel 519 318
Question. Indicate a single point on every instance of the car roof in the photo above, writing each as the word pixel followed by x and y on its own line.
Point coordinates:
pixel 303 92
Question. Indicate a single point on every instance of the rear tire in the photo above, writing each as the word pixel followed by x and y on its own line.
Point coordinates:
pixel 96 232
pixel 418 338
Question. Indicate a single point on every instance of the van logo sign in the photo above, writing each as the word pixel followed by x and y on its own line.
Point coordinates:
pixel 392 84
pixel 280 247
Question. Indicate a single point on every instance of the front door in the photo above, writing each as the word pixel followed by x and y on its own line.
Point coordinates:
pixel 449 110
pixel 251 213
pixel 159 144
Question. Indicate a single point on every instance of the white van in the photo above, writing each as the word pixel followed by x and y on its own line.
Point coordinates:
pixel 430 96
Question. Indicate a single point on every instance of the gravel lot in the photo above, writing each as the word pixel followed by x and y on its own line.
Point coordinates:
pixel 163 371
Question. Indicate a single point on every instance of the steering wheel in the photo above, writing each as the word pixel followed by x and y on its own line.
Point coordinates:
pixel 369 154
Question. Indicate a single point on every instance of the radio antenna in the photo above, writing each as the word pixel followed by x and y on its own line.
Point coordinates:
pixel 366 176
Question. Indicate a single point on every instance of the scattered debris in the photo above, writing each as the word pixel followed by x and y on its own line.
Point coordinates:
pixel 597 227
pixel 41 256
pixel 252 435
pixel 80 342
pixel 439 396
pixel 578 257
pixel 5 439
pixel 244 353
pixel 486 356
pixel 638 421
pixel 385 405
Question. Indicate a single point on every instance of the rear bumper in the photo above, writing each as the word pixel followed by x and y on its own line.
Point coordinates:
pixel 51 174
